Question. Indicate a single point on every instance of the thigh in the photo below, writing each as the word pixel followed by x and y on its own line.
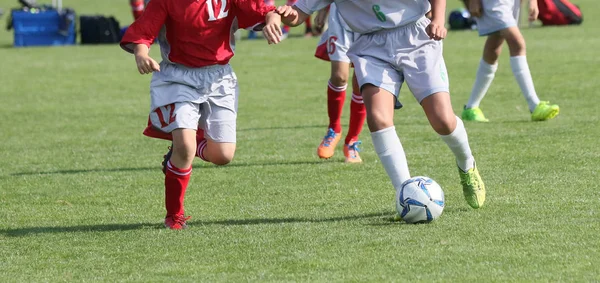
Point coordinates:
pixel 218 114
pixel 379 104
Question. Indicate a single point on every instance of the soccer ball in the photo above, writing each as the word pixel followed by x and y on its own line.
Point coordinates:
pixel 420 200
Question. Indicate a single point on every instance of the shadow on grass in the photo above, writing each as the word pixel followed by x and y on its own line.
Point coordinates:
pixel 21 232
pixel 156 168
pixel 283 128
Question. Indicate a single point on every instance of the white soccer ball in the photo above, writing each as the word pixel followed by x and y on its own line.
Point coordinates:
pixel 420 200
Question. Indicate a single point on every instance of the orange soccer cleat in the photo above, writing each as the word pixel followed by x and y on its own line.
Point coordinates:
pixel 327 147
pixel 351 152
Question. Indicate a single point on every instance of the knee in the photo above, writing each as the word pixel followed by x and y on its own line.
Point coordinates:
pixel 339 79
pixel 517 46
pixel 444 125
pixel 378 120
pixel 184 152
pixel 221 158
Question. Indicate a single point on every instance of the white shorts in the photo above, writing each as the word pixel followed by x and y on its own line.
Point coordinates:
pixel 498 15
pixel 389 57
pixel 336 40
pixel 188 98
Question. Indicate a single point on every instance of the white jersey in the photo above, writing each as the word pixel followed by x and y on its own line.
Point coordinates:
pixel 366 16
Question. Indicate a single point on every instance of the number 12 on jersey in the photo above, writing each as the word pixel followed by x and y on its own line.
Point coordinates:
pixel 211 10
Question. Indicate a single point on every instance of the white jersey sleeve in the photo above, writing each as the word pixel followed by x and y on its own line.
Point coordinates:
pixel 311 6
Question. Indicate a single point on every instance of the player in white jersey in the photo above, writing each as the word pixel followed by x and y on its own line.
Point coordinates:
pixel 497 19
pixel 334 45
pixel 398 43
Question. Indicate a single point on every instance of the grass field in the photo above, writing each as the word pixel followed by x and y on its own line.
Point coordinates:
pixel 81 194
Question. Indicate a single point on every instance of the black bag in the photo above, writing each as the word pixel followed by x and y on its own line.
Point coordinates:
pixel 99 29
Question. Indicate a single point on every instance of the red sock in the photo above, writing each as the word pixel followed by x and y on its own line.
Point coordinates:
pixel 358 113
pixel 137 7
pixel 286 29
pixel 308 23
pixel 200 144
pixel 335 102
pixel 176 182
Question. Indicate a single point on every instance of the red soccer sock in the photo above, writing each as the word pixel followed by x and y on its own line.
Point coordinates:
pixel 308 23
pixel 137 8
pixel 201 144
pixel 358 113
pixel 335 104
pixel 176 182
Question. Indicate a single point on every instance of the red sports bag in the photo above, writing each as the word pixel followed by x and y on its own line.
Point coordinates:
pixel 559 12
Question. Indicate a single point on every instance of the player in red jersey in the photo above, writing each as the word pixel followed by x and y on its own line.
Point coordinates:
pixel 334 44
pixel 137 8
pixel 194 91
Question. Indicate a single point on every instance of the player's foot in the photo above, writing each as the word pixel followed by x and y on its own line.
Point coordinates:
pixel 351 152
pixel 473 114
pixel 327 146
pixel 176 221
pixel 544 111
pixel 166 158
pixel 473 187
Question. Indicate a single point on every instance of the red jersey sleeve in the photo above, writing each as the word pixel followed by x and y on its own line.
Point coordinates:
pixel 145 29
pixel 252 12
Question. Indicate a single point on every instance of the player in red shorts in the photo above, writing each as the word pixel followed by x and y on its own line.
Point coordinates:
pixel 194 87
pixel 333 46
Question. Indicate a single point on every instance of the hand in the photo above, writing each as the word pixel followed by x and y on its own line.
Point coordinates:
pixel 475 8
pixel 146 64
pixel 321 17
pixel 534 11
pixel 272 29
pixel 436 30
pixel 286 11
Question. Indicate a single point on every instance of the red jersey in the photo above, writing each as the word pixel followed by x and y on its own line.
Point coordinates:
pixel 198 32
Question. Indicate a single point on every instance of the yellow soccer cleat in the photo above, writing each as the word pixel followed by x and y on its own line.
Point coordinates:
pixel 473 114
pixel 544 111
pixel 473 187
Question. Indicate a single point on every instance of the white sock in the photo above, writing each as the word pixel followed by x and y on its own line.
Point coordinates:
pixel 520 69
pixel 390 152
pixel 458 142
pixel 483 80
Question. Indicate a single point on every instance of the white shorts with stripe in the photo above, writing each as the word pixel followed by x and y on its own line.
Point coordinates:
pixel 336 40
pixel 188 98
pixel 498 15
pixel 388 58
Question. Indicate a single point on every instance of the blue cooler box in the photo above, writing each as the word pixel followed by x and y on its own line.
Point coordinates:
pixel 42 28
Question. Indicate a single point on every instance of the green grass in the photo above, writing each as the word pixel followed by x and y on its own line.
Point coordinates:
pixel 81 194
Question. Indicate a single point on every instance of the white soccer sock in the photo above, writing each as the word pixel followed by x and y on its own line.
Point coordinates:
pixel 458 142
pixel 390 152
pixel 520 69
pixel 483 80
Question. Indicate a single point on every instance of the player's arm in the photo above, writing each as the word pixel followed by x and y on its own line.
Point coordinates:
pixel 141 34
pixel 255 15
pixel 291 15
pixel 297 14
pixel 474 7
pixel 321 17
pixel 534 10
pixel 436 29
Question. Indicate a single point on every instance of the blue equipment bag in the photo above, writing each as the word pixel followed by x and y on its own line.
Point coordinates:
pixel 43 26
